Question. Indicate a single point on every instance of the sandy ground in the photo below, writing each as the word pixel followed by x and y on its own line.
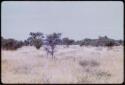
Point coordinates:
pixel 72 65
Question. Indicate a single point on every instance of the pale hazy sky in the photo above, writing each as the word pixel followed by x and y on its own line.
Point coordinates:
pixel 77 20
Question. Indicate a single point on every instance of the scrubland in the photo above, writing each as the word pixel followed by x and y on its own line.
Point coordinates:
pixel 72 65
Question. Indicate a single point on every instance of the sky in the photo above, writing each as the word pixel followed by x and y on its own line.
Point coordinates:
pixel 74 19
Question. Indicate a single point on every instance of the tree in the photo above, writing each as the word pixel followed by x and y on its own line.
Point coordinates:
pixel 51 41
pixel 26 43
pixel 67 41
pixel 36 39
pixel 11 44
pixel 81 43
pixel 110 43
pixel 85 42
pixel 120 42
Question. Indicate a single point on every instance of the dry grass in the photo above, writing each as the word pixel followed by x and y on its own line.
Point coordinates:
pixel 72 65
pixel 89 63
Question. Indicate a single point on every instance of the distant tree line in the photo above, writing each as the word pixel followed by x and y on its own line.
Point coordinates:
pixel 101 41
pixel 10 44
pixel 50 42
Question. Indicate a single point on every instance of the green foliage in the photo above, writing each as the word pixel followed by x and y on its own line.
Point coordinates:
pixel 51 41
pixel 67 41
pixel 110 44
pixel 11 44
pixel 36 39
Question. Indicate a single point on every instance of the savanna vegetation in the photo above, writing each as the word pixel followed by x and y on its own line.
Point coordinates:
pixel 38 39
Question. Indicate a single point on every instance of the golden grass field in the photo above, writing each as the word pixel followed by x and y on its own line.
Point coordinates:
pixel 72 65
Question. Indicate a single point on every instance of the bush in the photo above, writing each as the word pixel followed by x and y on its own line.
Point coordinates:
pixel 35 39
pixel 110 44
pixel 67 41
pixel 101 41
pixel 11 44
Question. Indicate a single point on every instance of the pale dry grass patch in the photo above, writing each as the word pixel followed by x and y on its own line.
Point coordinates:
pixel 72 65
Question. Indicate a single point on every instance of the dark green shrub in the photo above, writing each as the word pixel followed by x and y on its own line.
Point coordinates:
pixel 35 39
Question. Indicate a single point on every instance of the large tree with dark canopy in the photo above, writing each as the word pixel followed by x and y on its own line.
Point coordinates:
pixel 36 39
pixel 51 41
